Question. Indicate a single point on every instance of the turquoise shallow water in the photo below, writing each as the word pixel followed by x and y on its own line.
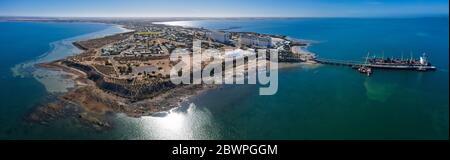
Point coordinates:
pixel 27 43
pixel 322 102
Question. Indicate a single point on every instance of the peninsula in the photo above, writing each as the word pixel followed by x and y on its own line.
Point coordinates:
pixel 130 72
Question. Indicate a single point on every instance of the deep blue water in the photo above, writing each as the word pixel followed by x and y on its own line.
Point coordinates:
pixel 313 102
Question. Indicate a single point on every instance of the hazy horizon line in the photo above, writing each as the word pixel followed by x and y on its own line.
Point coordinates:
pixel 392 16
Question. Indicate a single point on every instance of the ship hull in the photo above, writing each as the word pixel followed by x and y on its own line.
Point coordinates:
pixel 403 67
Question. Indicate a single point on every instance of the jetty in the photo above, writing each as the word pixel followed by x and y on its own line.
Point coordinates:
pixel 338 62
pixel 380 63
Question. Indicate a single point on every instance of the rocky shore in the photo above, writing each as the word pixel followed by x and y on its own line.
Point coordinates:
pixel 91 104
pixel 94 98
pixel 97 95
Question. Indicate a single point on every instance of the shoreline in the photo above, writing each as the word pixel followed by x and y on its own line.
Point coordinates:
pixel 58 80
pixel 93 106
pixel 233 113
pixel 58 50
pixel 95 102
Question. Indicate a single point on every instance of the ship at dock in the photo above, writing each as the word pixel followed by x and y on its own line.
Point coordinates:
pixel 420 64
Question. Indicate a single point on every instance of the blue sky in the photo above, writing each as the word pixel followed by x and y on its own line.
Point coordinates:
pixel 223 8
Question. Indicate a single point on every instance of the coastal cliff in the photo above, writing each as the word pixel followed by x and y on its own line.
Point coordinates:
pixel 133 91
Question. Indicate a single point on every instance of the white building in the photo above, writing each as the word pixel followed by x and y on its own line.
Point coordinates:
pixel 253 40
pixel 219 36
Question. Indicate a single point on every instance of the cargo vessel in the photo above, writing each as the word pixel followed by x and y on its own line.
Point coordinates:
pixel 420 64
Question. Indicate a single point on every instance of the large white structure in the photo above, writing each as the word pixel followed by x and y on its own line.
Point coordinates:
pixel 219 36
pixel 255 40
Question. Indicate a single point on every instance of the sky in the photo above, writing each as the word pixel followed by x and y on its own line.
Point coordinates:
pixel 223 8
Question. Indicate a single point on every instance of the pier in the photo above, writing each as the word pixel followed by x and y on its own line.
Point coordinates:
pixel 338 62
pixel 378 66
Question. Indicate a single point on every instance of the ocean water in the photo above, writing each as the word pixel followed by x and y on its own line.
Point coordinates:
pixel 332 102
pixel 22 45
pixel 313 102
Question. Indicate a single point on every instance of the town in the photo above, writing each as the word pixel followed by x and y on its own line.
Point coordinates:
pixel 138 62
